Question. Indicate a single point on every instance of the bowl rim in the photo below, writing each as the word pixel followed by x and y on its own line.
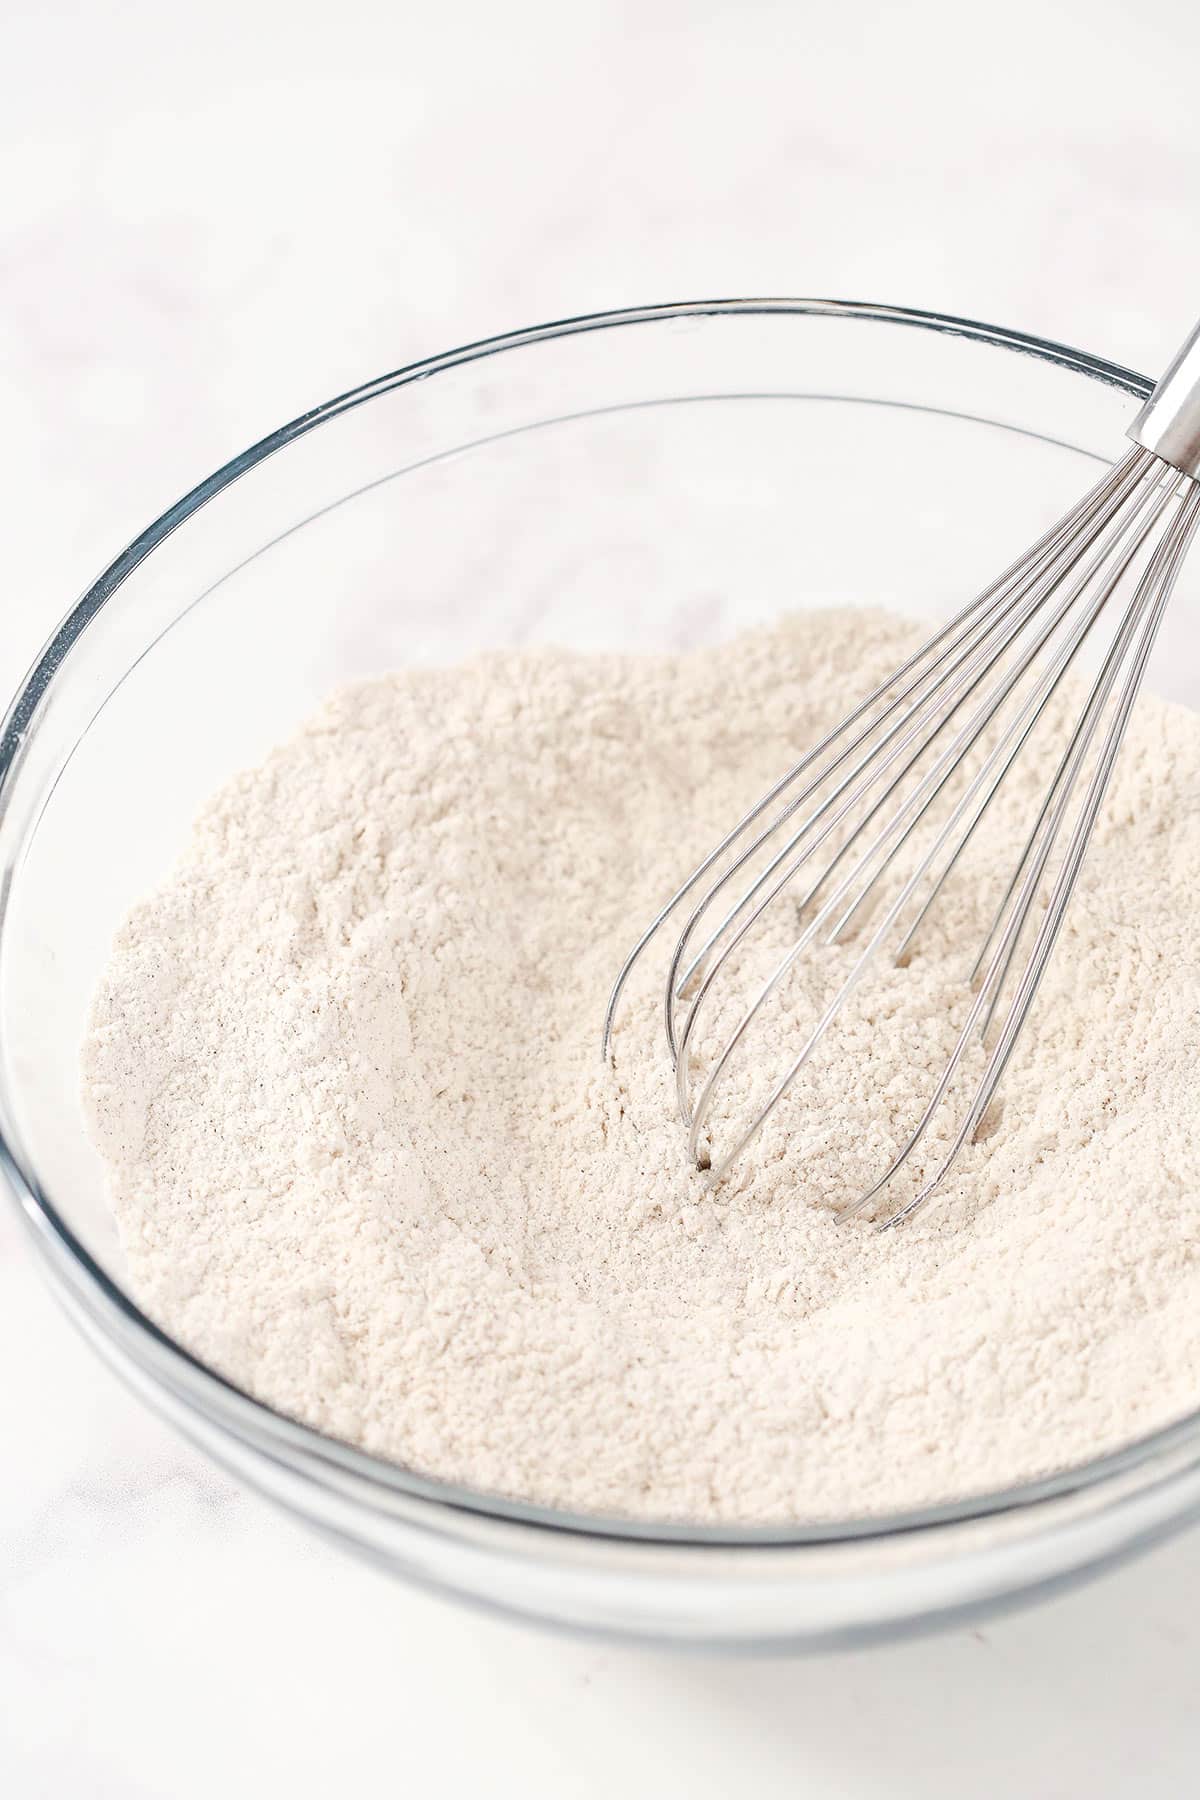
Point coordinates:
pixel 109 1306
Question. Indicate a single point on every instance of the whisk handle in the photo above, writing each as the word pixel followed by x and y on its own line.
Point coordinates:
pixel 1169 423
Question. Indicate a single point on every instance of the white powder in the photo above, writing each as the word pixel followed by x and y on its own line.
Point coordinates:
pixel 344 1071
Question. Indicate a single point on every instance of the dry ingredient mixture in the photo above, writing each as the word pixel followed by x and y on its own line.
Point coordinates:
pixel 366 1161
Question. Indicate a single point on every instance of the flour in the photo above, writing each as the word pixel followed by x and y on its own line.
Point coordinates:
pixel 344 1072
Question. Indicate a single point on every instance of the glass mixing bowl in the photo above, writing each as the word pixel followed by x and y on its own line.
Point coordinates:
pixel 645 479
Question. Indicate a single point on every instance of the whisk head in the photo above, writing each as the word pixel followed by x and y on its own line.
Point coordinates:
pixel 856 844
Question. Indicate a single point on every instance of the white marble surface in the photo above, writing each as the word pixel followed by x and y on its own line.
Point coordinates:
pixel 210 219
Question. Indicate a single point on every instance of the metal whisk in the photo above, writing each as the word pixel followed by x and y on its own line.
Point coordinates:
pixel 867 827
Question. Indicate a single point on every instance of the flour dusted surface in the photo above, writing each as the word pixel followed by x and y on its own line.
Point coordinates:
pixel 365 1160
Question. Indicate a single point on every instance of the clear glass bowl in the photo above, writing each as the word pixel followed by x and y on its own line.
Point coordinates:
pixel 641 479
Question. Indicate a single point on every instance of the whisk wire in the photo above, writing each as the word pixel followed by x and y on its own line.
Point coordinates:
pixel 1152 503
pixel 1145 610
pixel 864 831
pixel 899 827
pixel 1098 498
pixel 1013 589
pixel 998 969
pixel 937 777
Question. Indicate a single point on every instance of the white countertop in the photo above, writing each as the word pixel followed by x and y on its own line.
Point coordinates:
pixel 209 221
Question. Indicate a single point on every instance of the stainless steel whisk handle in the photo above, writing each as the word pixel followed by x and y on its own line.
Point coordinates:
pixel 1169 423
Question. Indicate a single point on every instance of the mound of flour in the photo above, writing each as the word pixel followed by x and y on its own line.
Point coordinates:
pixel 343 1070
